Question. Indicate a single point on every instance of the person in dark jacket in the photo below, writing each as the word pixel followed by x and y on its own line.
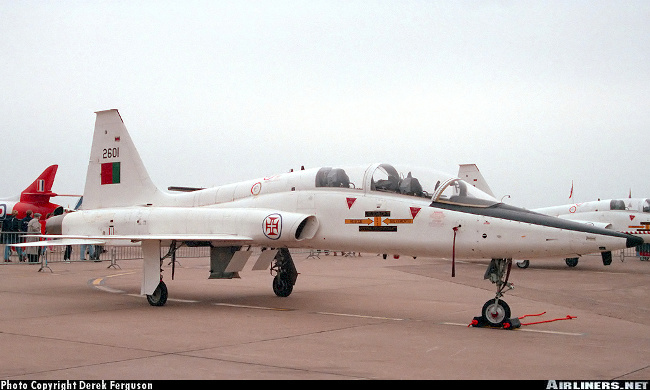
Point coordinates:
pixel 20 236
pixel 9 229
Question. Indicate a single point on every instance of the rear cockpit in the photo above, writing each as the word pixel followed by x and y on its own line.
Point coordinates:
pixel 420 183
pixel 332 177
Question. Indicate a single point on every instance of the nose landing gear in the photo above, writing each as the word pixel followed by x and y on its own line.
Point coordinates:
pixel 496 312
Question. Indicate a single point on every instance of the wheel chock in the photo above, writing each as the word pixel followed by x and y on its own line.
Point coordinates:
pixel 510 323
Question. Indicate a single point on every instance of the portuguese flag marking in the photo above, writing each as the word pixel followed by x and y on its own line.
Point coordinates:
pixel 111 173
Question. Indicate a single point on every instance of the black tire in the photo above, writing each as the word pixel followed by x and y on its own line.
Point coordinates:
pixel 572 261
pixel 495 313
pixel 523 263
pixel 282 287
pixel 159 296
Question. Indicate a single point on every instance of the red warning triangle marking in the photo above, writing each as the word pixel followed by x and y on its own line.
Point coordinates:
pixel 632 217
pixel 415 211
pixel 350 201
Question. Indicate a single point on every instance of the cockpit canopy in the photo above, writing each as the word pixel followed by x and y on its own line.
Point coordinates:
pixel 416 182
pixel 332 177
pixel 636 204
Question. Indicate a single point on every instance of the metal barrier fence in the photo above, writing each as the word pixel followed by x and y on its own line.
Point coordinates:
pixel 12 255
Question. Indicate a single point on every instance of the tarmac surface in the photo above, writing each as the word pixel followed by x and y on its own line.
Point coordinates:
pixel 348 318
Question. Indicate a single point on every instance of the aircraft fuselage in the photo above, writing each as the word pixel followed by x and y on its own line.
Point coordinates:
pixel 289 210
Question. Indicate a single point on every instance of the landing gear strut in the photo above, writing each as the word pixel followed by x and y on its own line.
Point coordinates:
pixel 285 273
pixel 159 296
pixel 496 312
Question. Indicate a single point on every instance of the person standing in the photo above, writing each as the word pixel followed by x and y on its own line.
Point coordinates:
pixel 33 228
pixel 83 248
pixel 9 233
pixel 21 228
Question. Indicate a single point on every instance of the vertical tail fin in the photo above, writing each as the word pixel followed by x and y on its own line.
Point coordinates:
pixel 116 175
pixel 40 191
pixel 471 174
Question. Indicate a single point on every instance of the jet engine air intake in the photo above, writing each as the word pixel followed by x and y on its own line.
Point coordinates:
pixel 307 228
pixel 54 225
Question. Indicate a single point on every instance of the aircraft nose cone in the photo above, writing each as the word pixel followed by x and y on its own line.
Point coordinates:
pixel 633 241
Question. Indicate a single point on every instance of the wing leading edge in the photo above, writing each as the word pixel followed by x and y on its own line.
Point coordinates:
pixel 59 240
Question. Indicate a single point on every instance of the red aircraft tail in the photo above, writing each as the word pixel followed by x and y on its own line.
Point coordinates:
pixel 40 191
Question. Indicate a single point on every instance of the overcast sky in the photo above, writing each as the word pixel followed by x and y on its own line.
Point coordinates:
pixel 537 93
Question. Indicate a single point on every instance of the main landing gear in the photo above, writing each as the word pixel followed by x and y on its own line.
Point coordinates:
pixel 285 273
pixel 496 312
pixel 159 296
pixel 282 268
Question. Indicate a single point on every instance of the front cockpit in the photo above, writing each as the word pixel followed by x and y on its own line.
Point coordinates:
pixel 416 182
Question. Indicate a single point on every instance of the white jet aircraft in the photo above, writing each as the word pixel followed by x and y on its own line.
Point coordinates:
pixel 377 208
pixel 627 215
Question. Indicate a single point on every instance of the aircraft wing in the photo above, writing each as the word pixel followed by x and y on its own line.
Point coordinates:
pixel 59 240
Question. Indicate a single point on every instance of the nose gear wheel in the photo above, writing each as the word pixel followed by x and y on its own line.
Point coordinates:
pixel 496 312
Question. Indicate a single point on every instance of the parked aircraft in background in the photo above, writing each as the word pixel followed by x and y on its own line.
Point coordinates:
pixel 471 174
pixel 378 208
pixel 627 215
pixel 36 197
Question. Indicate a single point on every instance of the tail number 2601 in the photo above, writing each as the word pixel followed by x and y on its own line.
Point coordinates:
pixel 111 153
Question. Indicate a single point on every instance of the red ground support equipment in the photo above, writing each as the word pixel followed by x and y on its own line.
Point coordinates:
pixel 514 323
